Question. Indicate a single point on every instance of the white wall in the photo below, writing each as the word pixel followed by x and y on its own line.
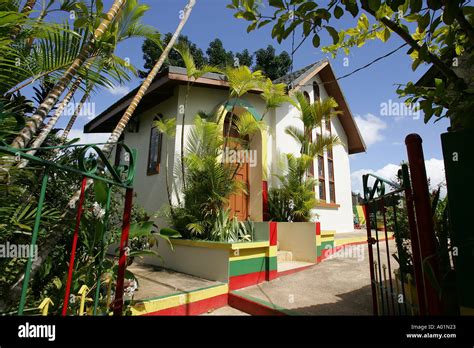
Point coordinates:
pixel 339 219
pixel 151 189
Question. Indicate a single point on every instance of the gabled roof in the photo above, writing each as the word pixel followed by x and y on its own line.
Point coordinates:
pixel 297 75
pixel 163 85
pixel 323 68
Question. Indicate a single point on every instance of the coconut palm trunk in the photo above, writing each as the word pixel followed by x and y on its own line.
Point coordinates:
pixel 73 119
pixel 32 126
pixel 117 132
pixel 52 122
pixel 44 251
pixel 25 10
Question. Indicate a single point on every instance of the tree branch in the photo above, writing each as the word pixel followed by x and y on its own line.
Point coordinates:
pixel 442 67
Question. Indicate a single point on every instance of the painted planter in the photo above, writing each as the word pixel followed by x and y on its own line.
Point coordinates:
pixel 237 264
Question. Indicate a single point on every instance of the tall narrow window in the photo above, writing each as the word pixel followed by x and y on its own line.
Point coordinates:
pixel 311 168
pixel 316 91
pixel 332 186
pixel 154 151
pixel 321 178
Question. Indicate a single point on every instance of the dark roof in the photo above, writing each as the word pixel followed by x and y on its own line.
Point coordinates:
pixel 296 76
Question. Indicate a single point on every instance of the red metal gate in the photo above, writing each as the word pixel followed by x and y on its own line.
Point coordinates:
pixel 400 230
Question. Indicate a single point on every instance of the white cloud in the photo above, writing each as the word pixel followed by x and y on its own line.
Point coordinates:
pixel 434 171
pixel 88 138
pixel 119 90
pixel 371 128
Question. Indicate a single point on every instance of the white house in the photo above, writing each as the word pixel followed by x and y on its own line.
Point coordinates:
pixel 165 98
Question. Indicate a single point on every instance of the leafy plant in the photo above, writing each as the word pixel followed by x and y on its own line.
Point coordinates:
pixel 294 199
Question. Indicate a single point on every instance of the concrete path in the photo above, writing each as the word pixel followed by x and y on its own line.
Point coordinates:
pixel 337 286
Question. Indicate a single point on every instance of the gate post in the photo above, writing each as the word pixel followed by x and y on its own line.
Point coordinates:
pixel 415 242
pixel 424 220
pixel 370 242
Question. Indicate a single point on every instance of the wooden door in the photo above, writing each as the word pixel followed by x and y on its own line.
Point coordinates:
pixel 239 201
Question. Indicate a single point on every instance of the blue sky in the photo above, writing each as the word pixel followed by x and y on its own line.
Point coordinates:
pixel 365 91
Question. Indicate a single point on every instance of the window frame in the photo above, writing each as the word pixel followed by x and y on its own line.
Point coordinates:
pixel 330 156
pixel 152 170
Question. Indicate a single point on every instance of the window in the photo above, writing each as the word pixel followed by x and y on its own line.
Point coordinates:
pixel 311 168
pixel 316 91
pixel 154 151
pixel 332 187
pixel 306 95
pixel 321 178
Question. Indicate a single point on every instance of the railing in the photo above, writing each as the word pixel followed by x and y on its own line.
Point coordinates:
pixel 90 168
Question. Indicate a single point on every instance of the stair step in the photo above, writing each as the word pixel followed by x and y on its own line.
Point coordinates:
pixel 284 256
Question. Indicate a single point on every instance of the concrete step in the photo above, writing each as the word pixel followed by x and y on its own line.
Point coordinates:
pixel 284 256
pixel 291 265
pixel 227 310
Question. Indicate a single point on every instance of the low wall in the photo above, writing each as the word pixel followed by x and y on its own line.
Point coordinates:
pixel 324 243
pixel 237 264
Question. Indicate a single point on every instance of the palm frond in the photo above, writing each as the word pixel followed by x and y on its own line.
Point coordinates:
pixel 247 125
pixel 242 80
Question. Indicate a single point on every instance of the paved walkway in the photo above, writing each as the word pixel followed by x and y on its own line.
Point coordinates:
pixel 337 286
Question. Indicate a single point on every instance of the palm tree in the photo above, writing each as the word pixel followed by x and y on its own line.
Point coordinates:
pixel 77 111
pixel 168 128
pixel 295 198
pixel 117 132
pixel 312 117
pixel 126 25
pixel 193 73
pixel 35 121
pixel 25 11
pixel 51 242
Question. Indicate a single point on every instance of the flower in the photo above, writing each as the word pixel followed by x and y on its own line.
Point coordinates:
pixel 130 289
pixel 98 211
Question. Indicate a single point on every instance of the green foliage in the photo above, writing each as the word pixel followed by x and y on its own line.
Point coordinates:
pixel 244 57
pixel 436 32
pixel 218 56
pixel 208 181
pixel 18 201
pixel 273 66
pixel 152 51
pixel 295 198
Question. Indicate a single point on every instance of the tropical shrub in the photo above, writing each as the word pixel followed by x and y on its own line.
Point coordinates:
pixel 209 183
pixel 294 199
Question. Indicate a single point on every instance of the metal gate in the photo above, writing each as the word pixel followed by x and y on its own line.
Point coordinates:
pixel 404 267
pixel 96 168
